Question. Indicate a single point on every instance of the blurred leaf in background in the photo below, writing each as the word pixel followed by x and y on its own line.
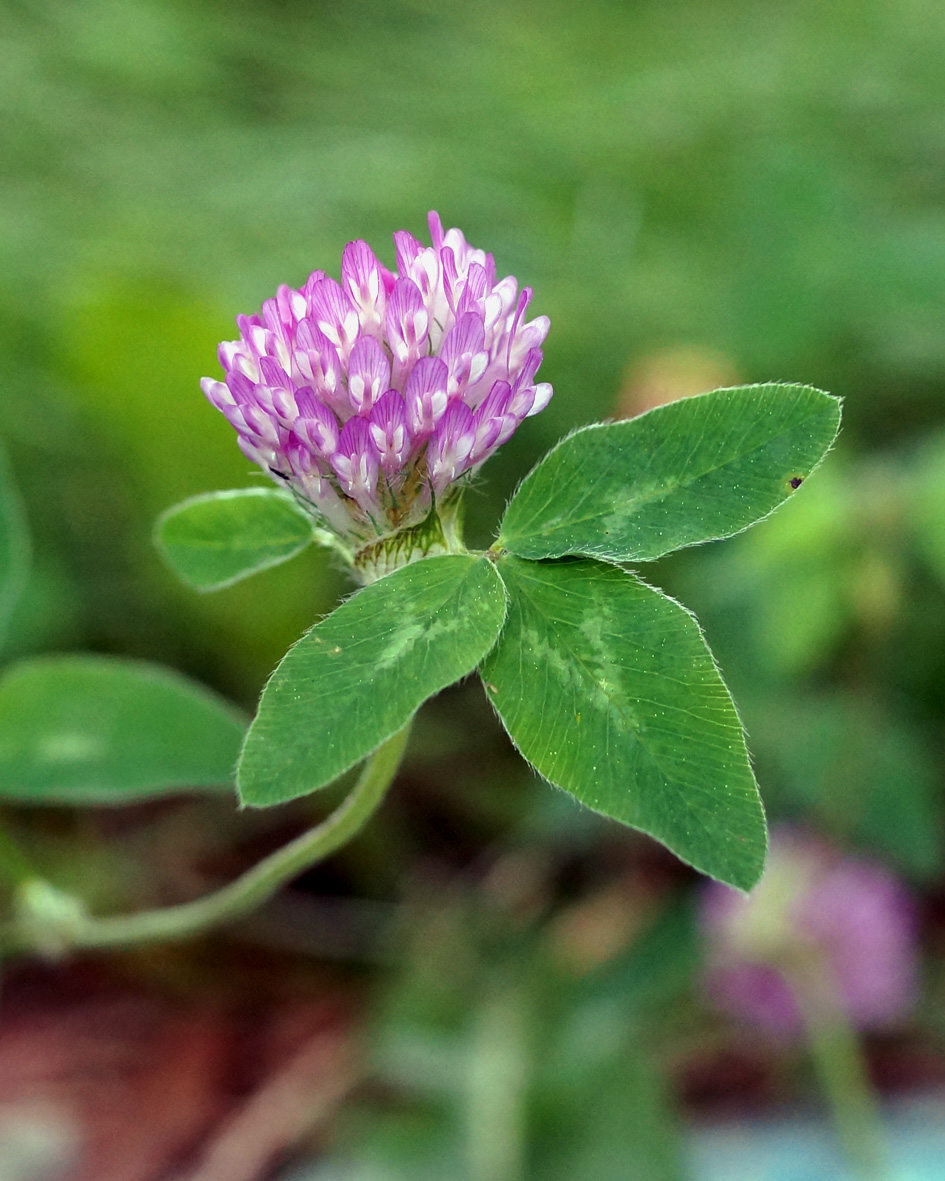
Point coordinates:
pixel 14 547
pixel 89 730
pixel 507 1050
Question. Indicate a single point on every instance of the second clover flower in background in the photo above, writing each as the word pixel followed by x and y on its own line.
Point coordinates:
pixel 372 398
pixel 820 931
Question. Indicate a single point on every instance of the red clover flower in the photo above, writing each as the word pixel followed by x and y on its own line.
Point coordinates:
pixel 817 925
pixel 374 399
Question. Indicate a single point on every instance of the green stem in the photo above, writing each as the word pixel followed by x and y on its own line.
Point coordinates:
pixel 839 1065
pixel 841 1071
pixel 496 1082
pixel 246 892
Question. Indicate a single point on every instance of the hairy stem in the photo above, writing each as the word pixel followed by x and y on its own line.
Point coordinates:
pixel 80 930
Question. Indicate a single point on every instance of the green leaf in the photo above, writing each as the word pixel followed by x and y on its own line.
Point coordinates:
pixel 358 676
pixel 607 687
pixel 94 730
pixel 692 471
pixel 14 546
pixel 216 539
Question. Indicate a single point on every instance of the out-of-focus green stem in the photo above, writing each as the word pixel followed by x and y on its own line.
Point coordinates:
pixel 841 1071
pixel 69 926
pixel 839 1065
pixel 496 1083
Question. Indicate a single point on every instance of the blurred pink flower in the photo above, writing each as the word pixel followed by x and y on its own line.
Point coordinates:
pixel 818 924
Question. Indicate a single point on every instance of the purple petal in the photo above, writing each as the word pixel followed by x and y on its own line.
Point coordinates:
pixel 463 353
pixel 521 403
pixel 407 321
pixel 245 363
pixel 368 374
pixel 450 445
pixel 246 324
pixel 310 284
pixel 388 278
pixel 529 368
pixel 495 403
pixel 318 361
pixel 318 429
pixel 523 301
pixel 426 396
pixel 498 303
pixel 260 424
pixel 543 392
pixel 272 316
pixel 278 401
pixel 227 351
pixel 455 240
pixel 488 438
pixel 474 290
pixel 216 392
pixel 306 403
pixel 436 229
pixel 407 248
pixel 494 423
pixel 257 452
pixel 425 272
pixel 235 417
pixel 450 277
pixel 362 277
pixel 524 394
pixel 389 431
pixel 530 336
pixel 241 387
pixel 301 460
pixel 356 461
pixel 335 315
pixel 292 305
pixel 272 372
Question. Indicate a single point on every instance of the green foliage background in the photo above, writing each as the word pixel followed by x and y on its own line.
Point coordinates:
pixel 764 185
pixel 700 192
pixel 703 185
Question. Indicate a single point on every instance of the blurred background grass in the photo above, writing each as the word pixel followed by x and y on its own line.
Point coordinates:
pixel 700 192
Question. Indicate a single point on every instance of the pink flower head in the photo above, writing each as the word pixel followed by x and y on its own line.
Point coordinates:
pixel 373 398
pixel 829 925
